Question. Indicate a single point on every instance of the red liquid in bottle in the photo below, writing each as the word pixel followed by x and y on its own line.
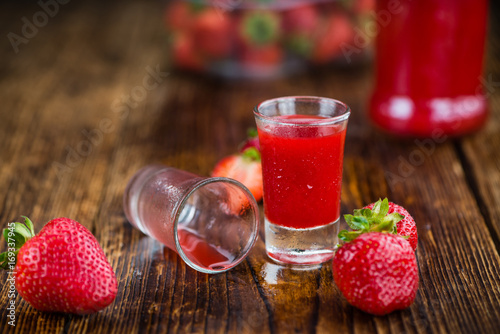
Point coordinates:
pixel 201 252
pixel 429 60
pixel 302 172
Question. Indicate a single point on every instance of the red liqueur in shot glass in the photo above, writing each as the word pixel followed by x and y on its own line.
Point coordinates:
pixel 302 145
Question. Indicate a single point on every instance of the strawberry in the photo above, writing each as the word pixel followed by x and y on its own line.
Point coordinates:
pixel 244 167
pixel 184 54
pixel 337 31
pixel 379 216
pixel 301 19
pixel 406 227
pixel 178 15
pixel 62 269
pixel 364 6
pixel 259 28
pixel 301 24
pixel 258 39
pixel 377 272
pixel 212 31
pixel 263 56
pixel 251 141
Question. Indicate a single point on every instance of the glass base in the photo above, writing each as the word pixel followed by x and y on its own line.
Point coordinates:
pixel 434 118
pixel 306 246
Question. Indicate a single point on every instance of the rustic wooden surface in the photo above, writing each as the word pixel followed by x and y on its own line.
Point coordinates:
pixel 69 80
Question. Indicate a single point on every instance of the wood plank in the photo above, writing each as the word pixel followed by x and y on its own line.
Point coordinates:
pixel 449 223
pixel 480 151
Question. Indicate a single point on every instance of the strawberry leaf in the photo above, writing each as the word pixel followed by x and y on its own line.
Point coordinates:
pixel 18 239
pixel 6 234
pixel 251 154
pixel 394 217
pixel 261 28
pixel 301 44
pixel 252 133
pixel 197 6
pixel 381 208
pixel 29 224
pixel 375 220
pixel 357 212
pixel 365 212
pixel 360 223
pixel 385 226
pixel 347 236
pixel 16 235
pixel 22 231
pixel 13 238
pixel 348 220
pixel 4 264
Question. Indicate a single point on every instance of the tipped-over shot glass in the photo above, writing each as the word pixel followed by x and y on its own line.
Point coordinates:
pixel 211 222
pixel 302 147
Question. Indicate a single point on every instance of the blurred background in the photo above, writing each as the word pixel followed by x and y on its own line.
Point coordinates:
pixel 176 81
pixel 426 50
pixel 144 72
pixel 266 39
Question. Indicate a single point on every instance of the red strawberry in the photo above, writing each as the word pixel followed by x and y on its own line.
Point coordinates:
pixel 62 269
pixel 184 54
pixel 251 141
pixel 382 216
pixel 406 227
pixel 212 31
pixel 337 31
pixel 377 272
pixel 244 167
pixel 364 6
pixel 301 19
pixel 178 15
pixel 264 56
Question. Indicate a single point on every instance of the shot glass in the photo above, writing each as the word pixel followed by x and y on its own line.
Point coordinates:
pixel 302 146
pixel 212 223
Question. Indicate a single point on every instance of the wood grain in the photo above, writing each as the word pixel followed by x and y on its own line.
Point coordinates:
pixel 72 79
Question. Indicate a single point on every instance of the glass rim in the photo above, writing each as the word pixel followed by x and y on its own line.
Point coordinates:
pixel 328 120
pixel 180 206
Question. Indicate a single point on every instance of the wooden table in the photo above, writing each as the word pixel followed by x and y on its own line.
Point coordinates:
pixel 76 123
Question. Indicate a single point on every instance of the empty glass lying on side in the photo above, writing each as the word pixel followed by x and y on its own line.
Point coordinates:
pixel 212 223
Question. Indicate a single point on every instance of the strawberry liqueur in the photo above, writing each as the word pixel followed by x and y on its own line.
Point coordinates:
pixel 429 61
pixel 202 252
pixel 302 165
pixel 302 157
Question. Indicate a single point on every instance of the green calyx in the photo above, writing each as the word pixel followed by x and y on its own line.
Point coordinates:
pixel 251 154
pixel 261 28
pixel 252 133
pixel 197 6
pixel 376 219
pixel 16 235
pixel 301 45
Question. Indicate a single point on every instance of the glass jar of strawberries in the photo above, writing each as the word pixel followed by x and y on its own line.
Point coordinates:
pixel 267 38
